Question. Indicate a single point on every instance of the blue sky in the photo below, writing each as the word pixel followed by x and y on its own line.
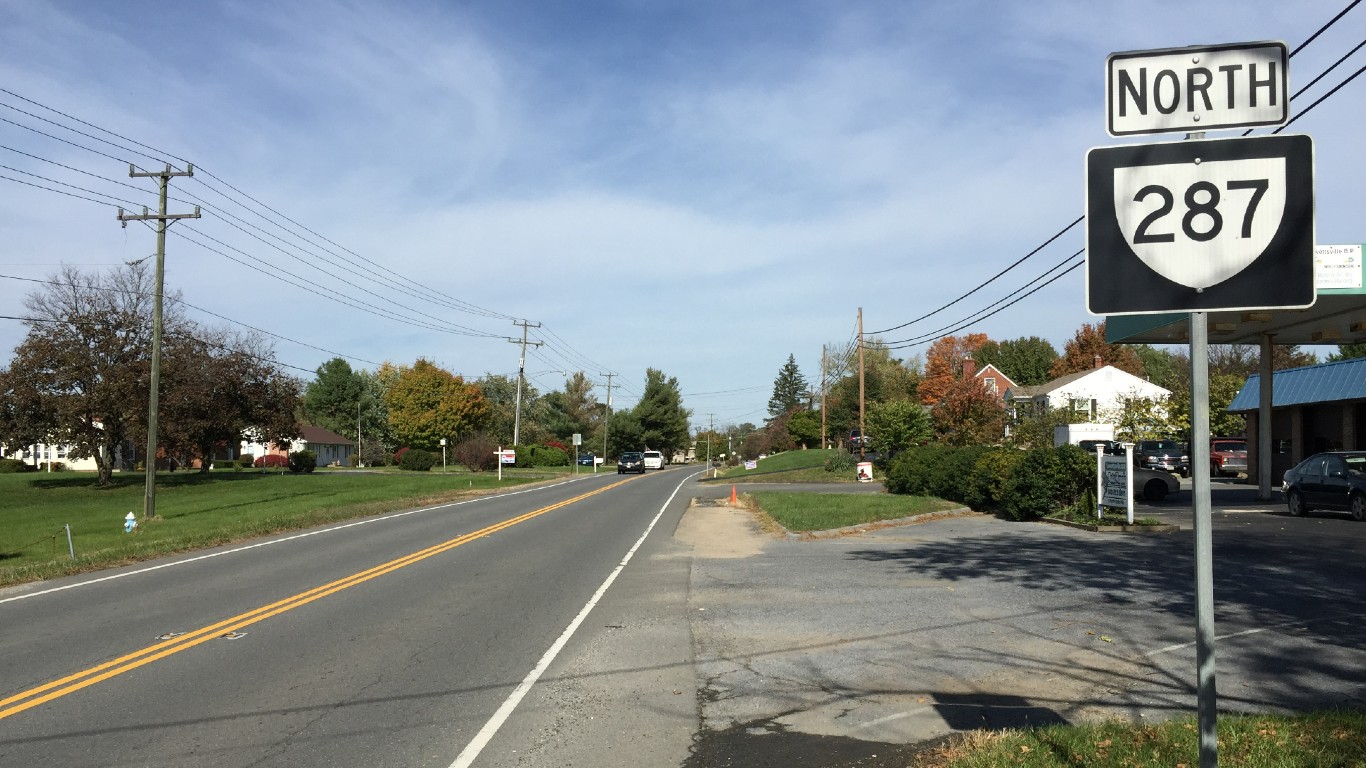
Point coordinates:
pixel 697 187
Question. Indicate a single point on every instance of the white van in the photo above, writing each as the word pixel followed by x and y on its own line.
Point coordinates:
pixel 654 460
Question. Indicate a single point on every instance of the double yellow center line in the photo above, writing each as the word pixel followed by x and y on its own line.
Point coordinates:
pixel 71 683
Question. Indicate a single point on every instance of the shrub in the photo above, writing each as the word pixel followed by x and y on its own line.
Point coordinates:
pixel 908 472
pixel 303 461
pixel 557 444
pixel 476 453
pixel 990 474
pixel 271 461
pixel 57 466
pixel 416 460
pixel 246 461
pixel 548 456
pixel 399 454
pixel 841 462
pixel 1033 488
pixel 10 466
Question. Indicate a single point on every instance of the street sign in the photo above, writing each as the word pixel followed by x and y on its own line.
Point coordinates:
pixel 1202 88
pixel 1199 226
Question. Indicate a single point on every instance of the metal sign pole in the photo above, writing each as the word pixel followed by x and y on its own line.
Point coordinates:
pixel 1207 699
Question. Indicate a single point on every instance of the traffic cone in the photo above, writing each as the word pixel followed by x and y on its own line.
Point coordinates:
pixel 732 495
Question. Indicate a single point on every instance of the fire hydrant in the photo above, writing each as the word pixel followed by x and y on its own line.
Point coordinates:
pixel 130 521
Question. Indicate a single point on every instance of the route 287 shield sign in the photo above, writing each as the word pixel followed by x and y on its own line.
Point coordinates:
pixel 1198 226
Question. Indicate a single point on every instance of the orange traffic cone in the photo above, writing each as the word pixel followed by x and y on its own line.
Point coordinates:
pixel 732 495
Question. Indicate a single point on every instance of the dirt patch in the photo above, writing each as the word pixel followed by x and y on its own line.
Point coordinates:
pixel 720 531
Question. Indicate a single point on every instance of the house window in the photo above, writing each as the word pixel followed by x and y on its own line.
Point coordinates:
pixel 1081 405
pixel 991 385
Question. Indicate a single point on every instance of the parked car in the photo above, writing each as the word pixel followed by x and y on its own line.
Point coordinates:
pixel 653 460
pixel 857 440
pixel 1227 456
pixel 631 461
pixel 1163 454
pixel 1154 484
pixel 586 459
pixel 1331 480
pixel 1112 447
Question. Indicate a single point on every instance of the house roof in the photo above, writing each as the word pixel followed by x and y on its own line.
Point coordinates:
pixel 320 436
pixel 1029 393
pixel 1323 383
pixel 997 371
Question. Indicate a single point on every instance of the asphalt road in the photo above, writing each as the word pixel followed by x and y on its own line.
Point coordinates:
pixel 394 641
pixel 459 635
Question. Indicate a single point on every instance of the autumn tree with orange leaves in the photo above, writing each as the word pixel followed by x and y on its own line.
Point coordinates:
pixel 1080 353
pixel 944 364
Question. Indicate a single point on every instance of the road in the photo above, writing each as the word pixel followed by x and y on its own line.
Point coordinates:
pixel 462 635
pixel 392 641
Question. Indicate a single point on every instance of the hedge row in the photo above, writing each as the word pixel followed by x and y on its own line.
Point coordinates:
pixel 1020 484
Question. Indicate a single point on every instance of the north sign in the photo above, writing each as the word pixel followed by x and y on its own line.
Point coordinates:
pixel 1196 226
pixel 1201 88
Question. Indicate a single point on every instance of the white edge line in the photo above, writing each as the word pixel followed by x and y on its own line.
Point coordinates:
pixel 1269 628
pixel 235 550
pixel 485 735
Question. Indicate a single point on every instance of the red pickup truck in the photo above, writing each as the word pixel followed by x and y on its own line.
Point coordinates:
pixel 1227 456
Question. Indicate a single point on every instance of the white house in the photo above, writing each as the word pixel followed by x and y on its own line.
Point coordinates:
pixel 45 455
pixel 1095 395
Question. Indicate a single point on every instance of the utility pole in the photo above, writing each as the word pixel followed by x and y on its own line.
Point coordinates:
pixel 862 435
pixel 823 444
pixel 163 220
pixel 521 371
pixel 711 433
pixel 607 419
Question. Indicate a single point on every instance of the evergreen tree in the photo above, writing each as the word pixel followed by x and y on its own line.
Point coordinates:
pixel 660 412
pixel 788 389
pixel 331 400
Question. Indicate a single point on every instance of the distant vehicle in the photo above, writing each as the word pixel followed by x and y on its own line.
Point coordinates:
pixel 1332 480
pixel 654 460
pixel 857 440
pixel 1112 447
pixel 586 459
pixel 1227 456
pixel 631 461
pixel 1163 454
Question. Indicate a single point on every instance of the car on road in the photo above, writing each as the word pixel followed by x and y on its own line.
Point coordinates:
pixel 631 461
pixel 653 460
pixel 1227 456
pixel 586 459
pixel 1167 455
pixel 1331 480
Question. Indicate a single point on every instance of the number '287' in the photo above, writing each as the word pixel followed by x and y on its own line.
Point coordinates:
pixel 1202 220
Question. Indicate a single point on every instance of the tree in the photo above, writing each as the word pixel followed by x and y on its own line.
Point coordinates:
pixel 1088 345
pixel 218 386
pixel 899 424
pixel 804 427
pixel 573 410
pixel 80 376
pixel 427 403
pixel 1347 352
pixel 1026 361
pixel 333 399
pixel 885 377
pixel 624 433
pixel 969 415
pixel 1159 366
pixel 944 364
pixel 663 419
pixel 789 389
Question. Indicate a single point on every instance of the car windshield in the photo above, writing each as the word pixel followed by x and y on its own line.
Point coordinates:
pixel 630 457
pixel 1164 445
pixel 1230 446
pixel 1356 462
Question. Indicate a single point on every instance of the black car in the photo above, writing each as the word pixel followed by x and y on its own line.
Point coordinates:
pixel 1167 455
pixel 631 461
pixel 1334 480
pixel 586 459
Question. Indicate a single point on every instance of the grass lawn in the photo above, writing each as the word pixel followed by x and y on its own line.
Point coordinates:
pixel 805 512
pixel 195 511
pixel 790 467
pixel 1325 739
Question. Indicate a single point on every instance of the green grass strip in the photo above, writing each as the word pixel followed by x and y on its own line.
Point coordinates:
pixel 806 512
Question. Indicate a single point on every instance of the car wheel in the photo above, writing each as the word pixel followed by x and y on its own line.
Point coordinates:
pixel 1359 508
pixel 1294 504
pixel 1155 490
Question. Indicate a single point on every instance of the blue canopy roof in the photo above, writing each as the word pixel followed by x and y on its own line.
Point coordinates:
pixel 1323 383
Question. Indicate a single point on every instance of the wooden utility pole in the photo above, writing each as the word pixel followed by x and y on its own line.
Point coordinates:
pixel 521 374
pixel 862 435
pixel 823 443
pixel 163 220
pixel 607 418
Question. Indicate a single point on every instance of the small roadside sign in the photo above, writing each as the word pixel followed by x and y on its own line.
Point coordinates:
pixel 1201 88
pixel 1200 226
pixel 1115 479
